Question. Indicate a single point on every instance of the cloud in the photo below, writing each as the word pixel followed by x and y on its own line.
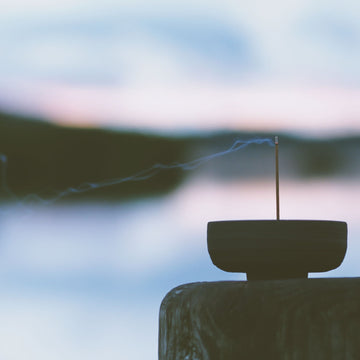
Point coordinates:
pixel 110 48
pixel 329 46
pixel 126 43
pixel 117 49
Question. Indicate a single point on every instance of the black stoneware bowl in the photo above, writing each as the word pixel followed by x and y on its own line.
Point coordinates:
pixel 277 249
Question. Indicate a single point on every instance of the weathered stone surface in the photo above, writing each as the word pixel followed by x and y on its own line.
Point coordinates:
pixel 309 319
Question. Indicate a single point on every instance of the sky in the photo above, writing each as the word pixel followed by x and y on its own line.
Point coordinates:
pixel 183 65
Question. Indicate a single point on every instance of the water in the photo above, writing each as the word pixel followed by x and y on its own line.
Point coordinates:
pixel 85 281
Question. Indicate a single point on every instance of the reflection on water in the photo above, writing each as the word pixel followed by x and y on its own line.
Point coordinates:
pixel 86 280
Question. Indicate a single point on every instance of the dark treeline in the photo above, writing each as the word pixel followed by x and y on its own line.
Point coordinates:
pixel 46 159
pixel 300 157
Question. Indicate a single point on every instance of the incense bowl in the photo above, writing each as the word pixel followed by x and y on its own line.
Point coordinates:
pixel 277 249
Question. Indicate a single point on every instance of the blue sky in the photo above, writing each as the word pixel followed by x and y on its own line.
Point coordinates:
pixel 57 57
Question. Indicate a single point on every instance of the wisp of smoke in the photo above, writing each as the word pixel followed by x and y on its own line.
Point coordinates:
pixel 139 176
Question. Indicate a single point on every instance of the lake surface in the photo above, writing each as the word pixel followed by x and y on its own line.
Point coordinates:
pixel 85 281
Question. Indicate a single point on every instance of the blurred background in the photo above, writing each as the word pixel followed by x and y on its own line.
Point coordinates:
pixel 92 91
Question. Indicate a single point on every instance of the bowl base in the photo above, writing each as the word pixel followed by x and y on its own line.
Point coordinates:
pixel 267 274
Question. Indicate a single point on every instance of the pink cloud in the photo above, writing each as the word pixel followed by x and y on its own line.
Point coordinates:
pixel 257 106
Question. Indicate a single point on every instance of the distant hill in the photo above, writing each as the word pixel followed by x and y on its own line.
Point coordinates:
pixel 46 159
pixel 300 157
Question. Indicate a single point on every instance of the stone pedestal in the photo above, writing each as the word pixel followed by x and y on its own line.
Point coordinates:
pixel 304 319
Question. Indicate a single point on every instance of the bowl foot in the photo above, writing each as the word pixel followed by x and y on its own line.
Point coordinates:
pixel 275 275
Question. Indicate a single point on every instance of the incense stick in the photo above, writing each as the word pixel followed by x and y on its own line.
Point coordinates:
pixel 277 177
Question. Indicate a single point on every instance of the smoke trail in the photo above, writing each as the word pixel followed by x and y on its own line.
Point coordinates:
pixel 139 176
